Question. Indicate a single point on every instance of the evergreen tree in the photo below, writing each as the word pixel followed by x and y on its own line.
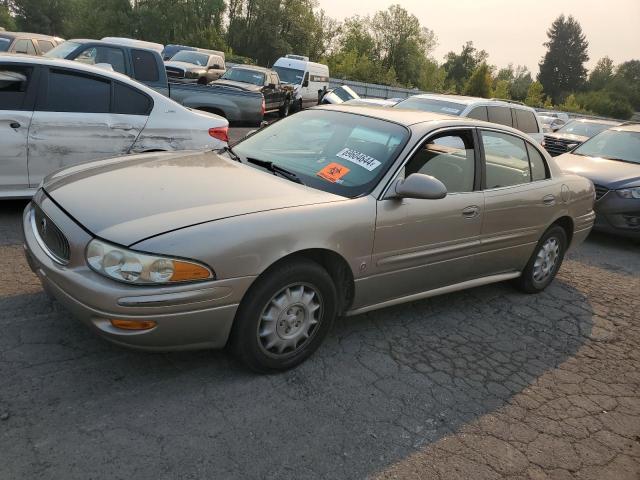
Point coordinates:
pixel 562 70
pixel 479 84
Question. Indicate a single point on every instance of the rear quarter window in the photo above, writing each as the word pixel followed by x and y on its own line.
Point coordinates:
pixel 501 115
pixel 129 101
pixel 526 121
pixel 45 46
pixel 145 68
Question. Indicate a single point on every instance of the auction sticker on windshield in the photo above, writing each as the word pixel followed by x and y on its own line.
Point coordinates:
pixel 333 172
pixel 365 161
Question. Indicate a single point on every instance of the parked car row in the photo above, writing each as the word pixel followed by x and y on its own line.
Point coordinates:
pixel 27 43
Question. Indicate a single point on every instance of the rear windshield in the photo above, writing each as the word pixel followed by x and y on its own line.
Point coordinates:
pixel 333 151
pixel 584 129
pixel 4 44
pixel 244 76
pixel 614 145
pixel 195 58
pixel 63 50
pixel 431 105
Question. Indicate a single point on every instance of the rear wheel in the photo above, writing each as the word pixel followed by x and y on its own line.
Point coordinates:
pixel 544 262
pixel 285 316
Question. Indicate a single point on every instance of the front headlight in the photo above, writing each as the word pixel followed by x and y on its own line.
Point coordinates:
pixel 633 192
pixel 138 268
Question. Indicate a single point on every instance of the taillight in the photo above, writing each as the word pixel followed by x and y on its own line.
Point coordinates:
pixel 263 108
pixel 221 133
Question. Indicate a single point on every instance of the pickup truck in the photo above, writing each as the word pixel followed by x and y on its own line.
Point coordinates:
pixel 238 106
pixel 277 95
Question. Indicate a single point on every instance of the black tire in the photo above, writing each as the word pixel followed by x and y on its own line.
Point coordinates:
pixel 533 278
pixel 284 109
pixel 248 338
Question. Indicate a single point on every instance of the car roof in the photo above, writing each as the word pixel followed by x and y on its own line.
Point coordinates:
pixel 113 44
pixel 600 121
pixel 466 100
pixel 59 62
pixel 252 67
pixel 628 127
pixel 37 36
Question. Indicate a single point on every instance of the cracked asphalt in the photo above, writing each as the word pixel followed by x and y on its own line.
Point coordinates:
pixel 482 384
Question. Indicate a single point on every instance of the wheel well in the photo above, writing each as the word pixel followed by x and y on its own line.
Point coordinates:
pixel 567 224
pixel 335 265
pixel 215 111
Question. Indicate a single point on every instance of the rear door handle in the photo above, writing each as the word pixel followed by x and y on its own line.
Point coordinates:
pixel 121 126
pixel 549 200
pixel 15 125
pixel 471 211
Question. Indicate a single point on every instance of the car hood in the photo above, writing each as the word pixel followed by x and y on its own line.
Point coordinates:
pixel 125 200
pixel 244 86
pixel 608 173
pixel 190 67
pixel 567 136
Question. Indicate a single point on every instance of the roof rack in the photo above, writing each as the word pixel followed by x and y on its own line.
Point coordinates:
pixel 507 100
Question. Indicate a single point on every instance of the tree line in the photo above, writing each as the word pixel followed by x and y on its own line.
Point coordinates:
pixel 390 47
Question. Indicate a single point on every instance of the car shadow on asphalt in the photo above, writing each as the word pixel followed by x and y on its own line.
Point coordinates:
pixel 383 385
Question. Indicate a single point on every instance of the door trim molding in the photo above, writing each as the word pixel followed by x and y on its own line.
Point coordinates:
pixel 437 291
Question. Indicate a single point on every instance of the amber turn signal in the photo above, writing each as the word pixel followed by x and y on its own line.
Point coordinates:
pixel 133 324
pixel 185 271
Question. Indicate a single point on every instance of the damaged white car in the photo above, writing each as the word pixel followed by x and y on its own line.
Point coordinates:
pixel 56 113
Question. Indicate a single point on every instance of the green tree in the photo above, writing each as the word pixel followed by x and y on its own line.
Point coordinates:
pixel 51 17
pixel 571 104
pixel 102 18
pixel 605 103
pixel 562 70
pixel 459 67
pixel 501 89
pixel 479 84
pixel 6 20
pixel 535 95
pixel 602 74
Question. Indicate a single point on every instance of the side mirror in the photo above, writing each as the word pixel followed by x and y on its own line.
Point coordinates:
pixel 420 186
pixel 272 86
pixel 214 67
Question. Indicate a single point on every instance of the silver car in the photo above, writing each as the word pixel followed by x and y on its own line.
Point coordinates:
pixel 337 210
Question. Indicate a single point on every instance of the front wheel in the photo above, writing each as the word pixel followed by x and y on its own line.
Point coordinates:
pixel 284 109
pixel 285 316
pixel 544 262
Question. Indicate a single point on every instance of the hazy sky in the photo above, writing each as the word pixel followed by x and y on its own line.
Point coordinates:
pixel 513 31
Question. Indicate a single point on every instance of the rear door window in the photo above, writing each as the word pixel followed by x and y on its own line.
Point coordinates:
pixel 45 46
pixel 506 160
pixel 526 121
pixel 479 113
pixel 145 68
pixel 14 81
pixel 22 46
pixel 73 92
pixel 501 115
pixel 129 101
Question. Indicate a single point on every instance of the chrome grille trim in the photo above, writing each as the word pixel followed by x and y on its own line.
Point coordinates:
pixel 56 237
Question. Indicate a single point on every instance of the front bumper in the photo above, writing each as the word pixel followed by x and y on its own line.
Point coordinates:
pixel 617 215
pixel 189 316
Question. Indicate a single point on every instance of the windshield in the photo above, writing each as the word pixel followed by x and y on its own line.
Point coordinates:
pixel 4 44
pixel 431 105
pixel 244 76
pixel 336 152
pixel 63 50
pixel 290 75
pixel 614 145
pixel 195 58
pixel 584 129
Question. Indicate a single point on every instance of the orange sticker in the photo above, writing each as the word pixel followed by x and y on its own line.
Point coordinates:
pixel 333 172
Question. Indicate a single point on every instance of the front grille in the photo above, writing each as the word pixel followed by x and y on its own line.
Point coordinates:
pixel 173 72
pixel 49 236
pixel 557 146
pixel 600 191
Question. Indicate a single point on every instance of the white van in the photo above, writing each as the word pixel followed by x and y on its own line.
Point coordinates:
pixel 310 80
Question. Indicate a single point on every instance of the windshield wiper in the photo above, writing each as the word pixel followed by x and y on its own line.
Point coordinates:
pixel 276 169
pixel 231 153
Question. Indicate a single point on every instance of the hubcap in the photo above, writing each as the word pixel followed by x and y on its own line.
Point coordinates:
pixel 289 319
pixel 546 260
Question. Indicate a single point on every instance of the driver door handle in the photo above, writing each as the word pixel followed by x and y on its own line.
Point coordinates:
pixel 471 212
pixel 14 124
